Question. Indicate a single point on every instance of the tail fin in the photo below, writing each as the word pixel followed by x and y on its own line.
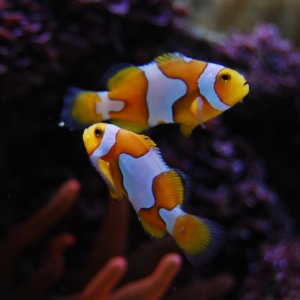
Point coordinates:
pixel 199 238
pixel 79 109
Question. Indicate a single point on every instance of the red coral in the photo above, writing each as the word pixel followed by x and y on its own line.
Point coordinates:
pixel 50 270
pixel 26 233
pixel 104 269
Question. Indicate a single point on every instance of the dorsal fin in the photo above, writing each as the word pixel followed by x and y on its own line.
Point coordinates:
pixel 146 139
pixel 169 56
pixel 179 184
pixel 186 183
pixel 116 73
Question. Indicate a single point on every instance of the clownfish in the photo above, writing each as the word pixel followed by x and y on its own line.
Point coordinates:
pixel 171 89
pixel 133 167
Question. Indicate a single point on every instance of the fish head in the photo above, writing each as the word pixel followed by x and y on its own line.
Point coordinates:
pixel 92 137
pixel 230 86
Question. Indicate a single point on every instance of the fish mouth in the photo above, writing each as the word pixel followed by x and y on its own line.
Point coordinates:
pixel 85 131
pixel 245 89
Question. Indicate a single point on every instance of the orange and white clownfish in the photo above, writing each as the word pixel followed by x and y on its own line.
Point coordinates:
pixel 171 89
pixel 132 166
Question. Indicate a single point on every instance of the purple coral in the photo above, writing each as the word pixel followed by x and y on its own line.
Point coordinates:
pixel 227 185
pixel 49 45
pixel 55 40
pixel 269 116
pixel 270 63
pixel 108 268
pixel 278 267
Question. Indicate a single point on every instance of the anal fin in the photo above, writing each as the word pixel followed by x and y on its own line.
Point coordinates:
pixel 187 128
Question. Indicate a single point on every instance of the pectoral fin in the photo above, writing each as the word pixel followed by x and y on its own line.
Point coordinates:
pixel 197 110
pixel 104 168
pixel 115 194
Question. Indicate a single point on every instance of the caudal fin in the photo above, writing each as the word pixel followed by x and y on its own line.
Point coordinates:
pixel 79 109
pixel 199 238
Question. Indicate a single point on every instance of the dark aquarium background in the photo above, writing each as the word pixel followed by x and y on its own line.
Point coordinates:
pixel 63 237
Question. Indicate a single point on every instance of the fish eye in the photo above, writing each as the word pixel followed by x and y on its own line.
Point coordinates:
pixel 97 132
pixel 224 78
